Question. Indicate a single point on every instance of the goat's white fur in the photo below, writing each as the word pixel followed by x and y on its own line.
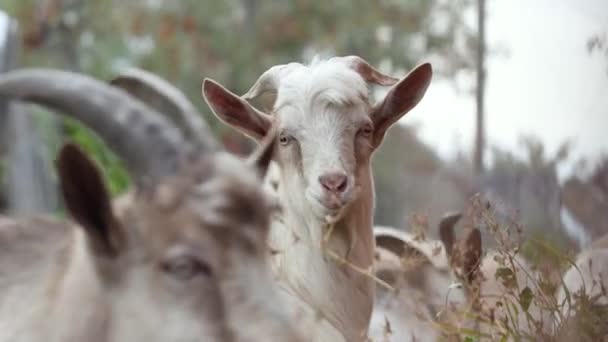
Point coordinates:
pixel 310 100
pixel 410 310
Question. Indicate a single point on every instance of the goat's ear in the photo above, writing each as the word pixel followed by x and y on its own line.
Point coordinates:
pixel 446 231
pixel 402 97
pixel 88 202
pixel 399 247
pixel 261 158
pixel 472 253
pixel 235 111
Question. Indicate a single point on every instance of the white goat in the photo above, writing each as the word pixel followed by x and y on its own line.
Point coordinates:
pixel 184 260
pixel 328 129
pixel 418 271
pixel 583 298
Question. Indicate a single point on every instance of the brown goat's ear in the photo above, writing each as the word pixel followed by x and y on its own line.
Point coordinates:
pixel 446 231
pixel 402 97
pixel 88 202
pixel 260 158
pixel 472 253
pixel 235 111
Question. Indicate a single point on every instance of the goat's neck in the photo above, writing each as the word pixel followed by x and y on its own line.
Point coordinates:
pixel 76 308
pixel 324 268
pixel 246 289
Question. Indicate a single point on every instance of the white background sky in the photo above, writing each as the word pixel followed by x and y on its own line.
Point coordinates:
pixel 547 84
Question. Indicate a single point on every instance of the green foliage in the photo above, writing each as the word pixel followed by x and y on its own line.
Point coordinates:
pixel 115 174
pixel 507 277
pixel 525 298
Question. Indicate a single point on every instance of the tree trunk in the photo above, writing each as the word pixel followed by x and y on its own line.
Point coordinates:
pixel 27 171
pixel 480 91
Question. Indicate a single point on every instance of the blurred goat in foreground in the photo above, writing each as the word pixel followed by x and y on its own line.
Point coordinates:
pixel 184 259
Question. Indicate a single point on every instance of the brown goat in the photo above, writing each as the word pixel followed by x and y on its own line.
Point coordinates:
pixel 184 259
pixel 185 262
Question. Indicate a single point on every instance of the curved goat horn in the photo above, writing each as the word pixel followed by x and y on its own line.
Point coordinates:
pixel 159 94
pixel 148 144
pixel 367 72
pixel 270 80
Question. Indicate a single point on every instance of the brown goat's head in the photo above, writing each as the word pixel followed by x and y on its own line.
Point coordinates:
pixel 182 256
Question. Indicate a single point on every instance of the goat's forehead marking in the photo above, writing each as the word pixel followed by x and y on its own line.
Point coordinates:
pixel 328 82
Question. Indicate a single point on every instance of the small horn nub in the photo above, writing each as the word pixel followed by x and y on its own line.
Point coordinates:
pixel 367 72
pixel 270 80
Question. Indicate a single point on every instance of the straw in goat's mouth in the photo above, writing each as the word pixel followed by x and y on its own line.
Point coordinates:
pixel 332 219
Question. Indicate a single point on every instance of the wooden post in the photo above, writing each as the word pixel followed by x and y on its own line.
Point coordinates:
pixel 27 176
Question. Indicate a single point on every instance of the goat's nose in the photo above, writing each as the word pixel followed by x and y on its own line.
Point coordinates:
pixel 334 182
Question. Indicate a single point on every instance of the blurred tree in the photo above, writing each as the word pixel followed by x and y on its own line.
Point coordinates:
pixel 26 183
pixel 234 41
pixel 411 179
pixel 478 154
pixel 587 199
pixel 526 190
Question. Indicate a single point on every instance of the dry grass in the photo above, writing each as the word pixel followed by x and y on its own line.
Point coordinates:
pixel 514 298
pixel 526 307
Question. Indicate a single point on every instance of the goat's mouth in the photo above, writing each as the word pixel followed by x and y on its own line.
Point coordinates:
pixel 330 204
pixel 333 202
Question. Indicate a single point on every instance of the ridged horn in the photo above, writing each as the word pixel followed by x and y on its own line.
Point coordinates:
pixel 166 99
pixel 150 146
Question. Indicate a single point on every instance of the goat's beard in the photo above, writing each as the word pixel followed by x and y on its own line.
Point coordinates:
pixel 330 215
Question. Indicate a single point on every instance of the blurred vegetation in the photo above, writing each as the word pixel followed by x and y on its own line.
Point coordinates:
pixel 233 42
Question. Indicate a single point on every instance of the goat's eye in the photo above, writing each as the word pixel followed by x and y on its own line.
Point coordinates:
pixel 285 139
pixel 366 131
pixel 186 267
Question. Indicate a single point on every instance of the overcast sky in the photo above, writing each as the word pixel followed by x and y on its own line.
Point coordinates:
pixel 547 84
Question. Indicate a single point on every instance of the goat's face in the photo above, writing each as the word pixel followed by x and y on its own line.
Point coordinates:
pixel 327 127
pixel 325 135
pixel 198 236
pixel 184 257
